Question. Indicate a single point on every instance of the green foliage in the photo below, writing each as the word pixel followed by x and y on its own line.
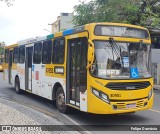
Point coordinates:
pixel 1 50
pixel 85 13
pixel 8 2
pixel 140 12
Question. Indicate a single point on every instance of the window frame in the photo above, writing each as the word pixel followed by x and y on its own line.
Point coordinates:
pixel 35 60
pixel 14 55
pixel 58 51
pixel 23 54
pixel 7 56
pixel 49 54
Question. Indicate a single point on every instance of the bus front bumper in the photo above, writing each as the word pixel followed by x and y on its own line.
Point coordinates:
pixel 98 106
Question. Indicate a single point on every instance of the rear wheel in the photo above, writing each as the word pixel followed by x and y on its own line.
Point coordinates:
pixel 60 101
pixel 17 86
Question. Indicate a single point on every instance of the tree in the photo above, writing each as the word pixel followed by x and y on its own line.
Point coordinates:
pixel 8 2
pixel 150 14
pixel 2 45
pixel 140 12
pixel 85 13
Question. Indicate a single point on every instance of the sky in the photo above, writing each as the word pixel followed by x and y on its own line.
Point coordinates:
pixel 28 18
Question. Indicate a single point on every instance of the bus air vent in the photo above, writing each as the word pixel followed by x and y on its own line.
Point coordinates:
pixel 140 103
pixel 128 85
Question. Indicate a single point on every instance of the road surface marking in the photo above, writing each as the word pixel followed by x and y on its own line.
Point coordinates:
pixel 154 111
pixel 76 123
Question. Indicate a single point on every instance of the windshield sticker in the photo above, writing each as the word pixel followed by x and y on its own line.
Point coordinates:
pixel 126 64
pixel 125 61
pixel 134 73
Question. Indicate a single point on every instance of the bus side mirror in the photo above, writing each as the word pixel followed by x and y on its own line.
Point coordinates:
pixel 90 57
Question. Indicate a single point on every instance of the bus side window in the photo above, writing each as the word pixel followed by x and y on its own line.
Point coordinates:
pixel 6 55
pixel 21 54
pixel 46 52
pixel 15 55
pixel 58 51
pixel 37 53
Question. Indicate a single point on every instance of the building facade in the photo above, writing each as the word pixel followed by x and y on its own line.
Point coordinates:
pixel 64 21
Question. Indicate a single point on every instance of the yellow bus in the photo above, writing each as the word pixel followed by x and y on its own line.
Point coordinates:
pixel 1 58
pixel 9 65
pixel 1 65
pixel 101 68
pixel 1 62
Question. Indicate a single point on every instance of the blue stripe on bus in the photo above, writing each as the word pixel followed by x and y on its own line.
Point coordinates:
pixel 67 32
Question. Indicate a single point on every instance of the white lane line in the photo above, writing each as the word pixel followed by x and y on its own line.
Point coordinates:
pixel 154 111
pixel 76 123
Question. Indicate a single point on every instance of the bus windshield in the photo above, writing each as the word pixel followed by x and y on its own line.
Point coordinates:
pixel 117 60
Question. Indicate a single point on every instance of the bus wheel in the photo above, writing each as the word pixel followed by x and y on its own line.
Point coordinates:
pixel 17 86
pixel 60 101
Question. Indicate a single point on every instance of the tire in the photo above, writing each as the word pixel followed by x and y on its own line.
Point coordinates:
pixel 60 101
pixel 17 86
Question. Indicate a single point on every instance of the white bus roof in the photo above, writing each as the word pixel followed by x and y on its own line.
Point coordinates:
pixel 31 40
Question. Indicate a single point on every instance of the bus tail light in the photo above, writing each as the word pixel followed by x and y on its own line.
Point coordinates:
pixel 101 95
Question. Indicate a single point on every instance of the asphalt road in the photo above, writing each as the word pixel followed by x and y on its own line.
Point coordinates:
pixel 148 117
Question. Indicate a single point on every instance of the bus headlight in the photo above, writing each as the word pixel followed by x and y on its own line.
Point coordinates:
pixel 95 92
pixel 150 94
pixel 101 95
pixel 105 97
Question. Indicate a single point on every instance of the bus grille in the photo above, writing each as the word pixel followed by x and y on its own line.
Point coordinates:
pixel 128 85
pixel 140 104
pixel 119 106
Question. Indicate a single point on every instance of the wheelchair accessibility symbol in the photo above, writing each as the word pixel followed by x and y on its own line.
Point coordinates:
pixel 134 73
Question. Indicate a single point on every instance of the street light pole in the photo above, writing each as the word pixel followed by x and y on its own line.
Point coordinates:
pixel 47 30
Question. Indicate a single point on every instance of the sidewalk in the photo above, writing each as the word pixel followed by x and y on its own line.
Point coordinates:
pixel 12 113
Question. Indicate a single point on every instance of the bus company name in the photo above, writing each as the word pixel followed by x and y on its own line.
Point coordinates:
pixel 49 70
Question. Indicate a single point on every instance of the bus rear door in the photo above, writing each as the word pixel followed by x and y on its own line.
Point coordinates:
pixel 28 68
pixel 10 66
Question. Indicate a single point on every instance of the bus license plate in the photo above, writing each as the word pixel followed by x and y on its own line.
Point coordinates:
pixel 133 105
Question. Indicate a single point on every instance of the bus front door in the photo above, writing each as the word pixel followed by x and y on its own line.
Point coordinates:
pixel 28 68
pixel 76 73
pixel 10 66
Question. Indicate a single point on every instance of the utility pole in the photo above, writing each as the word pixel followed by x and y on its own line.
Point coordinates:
pixel 47 30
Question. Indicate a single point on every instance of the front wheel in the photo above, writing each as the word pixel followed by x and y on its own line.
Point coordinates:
pixel 17 86
pixel 60 101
